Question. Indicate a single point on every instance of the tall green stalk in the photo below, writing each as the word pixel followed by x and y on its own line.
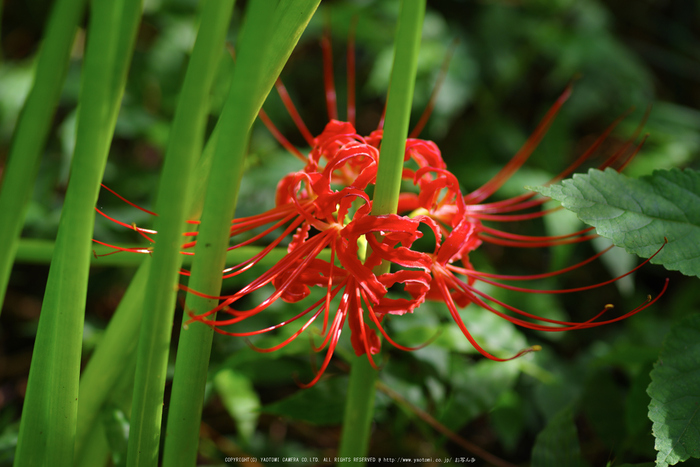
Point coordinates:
pixel 33 127
pixel 361 390
pixel 47 429
pixel 290 19
pixel 109 361
pixel 114 351
pixel 184 148
pixel 244 103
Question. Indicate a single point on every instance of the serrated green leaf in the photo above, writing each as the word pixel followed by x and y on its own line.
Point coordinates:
pixel 557 444
pixel 675 394
pixel 322 404
pixel 240 399
pixel 637 214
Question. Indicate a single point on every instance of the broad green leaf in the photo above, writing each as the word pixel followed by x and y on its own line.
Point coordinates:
pixel 603 405
pixel 508 419
pixel 557 444
pixel 321 404
pixel 637 214
pixel 675 394
pixel 240 399
pixel 477 387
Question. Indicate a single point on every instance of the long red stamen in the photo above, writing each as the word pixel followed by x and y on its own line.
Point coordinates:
pixel 128 226
pixel 292 110
pixel 310 250
pixel 244 266
pixel 535 244
pixel 335 331
pixel 377 323
pixel 471 272
pixel 120 249
pixel 529 238
pixel 279 136
pixel 614 158
pixel 217 323
pixel 127 201
pixel 633 154
pixel 521 156
pixel 351 71
pixel 342 309
pixel 330 285
pixel 562 325
pixel 561 291
pixel 356 307
pixel 331 103
pixel 458 319
pixel 511 217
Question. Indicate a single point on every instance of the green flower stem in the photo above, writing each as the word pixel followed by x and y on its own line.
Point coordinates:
pixel 48 426
pixel 398 108
pixel 361 390
pixel 243 105
pixel 109 360
pixel 99 443
pixel 184 148
pixel 33 127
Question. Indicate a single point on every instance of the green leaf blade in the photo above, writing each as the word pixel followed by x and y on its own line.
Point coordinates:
pixel 675 400
pixel 240 399
pixel 639 214
pixel 321 404
pixel 557 444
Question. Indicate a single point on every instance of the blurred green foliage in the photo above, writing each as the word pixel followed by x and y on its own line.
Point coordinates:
pixel 511 62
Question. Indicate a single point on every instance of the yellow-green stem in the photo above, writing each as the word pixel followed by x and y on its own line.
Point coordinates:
pixel 360 402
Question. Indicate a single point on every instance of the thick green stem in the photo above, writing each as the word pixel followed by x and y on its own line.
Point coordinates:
pixel 114 351
pixel 33 127
pixel 107 366
pixel 48 426
pixel 244 103
pixel 184 148
pixel 360 403
pixel 290 20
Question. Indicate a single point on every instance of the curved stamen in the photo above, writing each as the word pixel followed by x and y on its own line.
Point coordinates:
pixel 458 319
pixel 473 273
pixel 521 156
pixel 133 227
pixel 127 201
pixel 280 137
pixel 351 70
pixel 531 238
pixel 292 110
pixel 534 244
pixel 561 291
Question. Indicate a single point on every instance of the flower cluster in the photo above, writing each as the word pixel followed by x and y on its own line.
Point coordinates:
pixel 367 266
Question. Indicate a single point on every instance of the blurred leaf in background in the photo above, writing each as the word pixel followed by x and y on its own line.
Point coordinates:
pixel 512 60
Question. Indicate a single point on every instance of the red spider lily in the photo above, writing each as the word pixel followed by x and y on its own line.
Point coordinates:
pixel 325 207
pixel 354 281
